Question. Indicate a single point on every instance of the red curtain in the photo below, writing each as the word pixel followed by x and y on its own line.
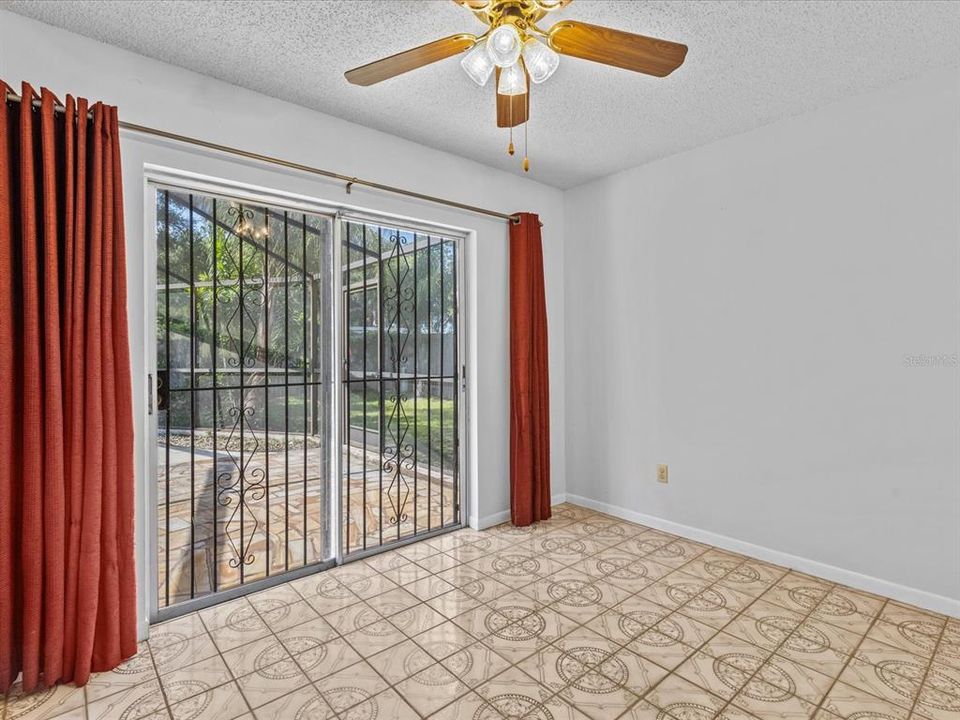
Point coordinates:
pixel 529 377
pixel 67 574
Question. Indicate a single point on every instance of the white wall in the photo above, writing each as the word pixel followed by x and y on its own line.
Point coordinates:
pixel 155 94
pixel 742 312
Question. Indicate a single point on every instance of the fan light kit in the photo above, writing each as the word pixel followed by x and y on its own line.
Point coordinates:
pixel 516 52
pixel 503 46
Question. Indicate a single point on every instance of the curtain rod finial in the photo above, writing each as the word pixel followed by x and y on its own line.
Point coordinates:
pixel 515 220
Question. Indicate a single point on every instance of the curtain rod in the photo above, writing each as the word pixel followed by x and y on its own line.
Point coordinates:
pixel 350 181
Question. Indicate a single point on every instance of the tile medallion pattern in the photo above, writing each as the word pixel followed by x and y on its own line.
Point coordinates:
pixel 582 617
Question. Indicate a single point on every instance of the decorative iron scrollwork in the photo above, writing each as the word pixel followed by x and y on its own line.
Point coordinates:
pixel 398 294
pixel 237 490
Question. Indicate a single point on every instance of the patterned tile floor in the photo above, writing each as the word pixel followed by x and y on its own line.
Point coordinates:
pixel 584 616
pixel 275 521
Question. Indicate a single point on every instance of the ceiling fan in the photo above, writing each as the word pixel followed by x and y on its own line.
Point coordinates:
pixel 516 51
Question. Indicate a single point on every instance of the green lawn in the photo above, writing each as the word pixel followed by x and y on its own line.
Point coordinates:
pixel 425 422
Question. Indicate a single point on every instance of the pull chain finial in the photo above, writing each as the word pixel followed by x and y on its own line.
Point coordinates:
pixel 526 158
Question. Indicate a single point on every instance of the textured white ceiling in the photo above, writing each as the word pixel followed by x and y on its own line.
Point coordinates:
pixel 750 63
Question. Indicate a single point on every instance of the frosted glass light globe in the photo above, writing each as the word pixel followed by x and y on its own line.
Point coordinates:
pixel 477 63
pixel 513 80
pixel 503 45
pixel 541 61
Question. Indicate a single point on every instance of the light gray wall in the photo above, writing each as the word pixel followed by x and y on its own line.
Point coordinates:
pixel 152 93
pixel 743 311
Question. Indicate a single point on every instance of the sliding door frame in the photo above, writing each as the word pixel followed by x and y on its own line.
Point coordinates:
pixel 459 239
pixel 147 558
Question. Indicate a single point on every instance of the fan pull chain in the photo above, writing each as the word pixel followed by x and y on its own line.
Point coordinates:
pixel 526 158
pixel 510 149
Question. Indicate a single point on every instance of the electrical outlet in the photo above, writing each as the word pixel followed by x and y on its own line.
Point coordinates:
pixel 662 475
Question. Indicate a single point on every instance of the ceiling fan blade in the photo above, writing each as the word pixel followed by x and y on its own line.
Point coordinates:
pixel 512 110
pixel 412 59
pixel 615 47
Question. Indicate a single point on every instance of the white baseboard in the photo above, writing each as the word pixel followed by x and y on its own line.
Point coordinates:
pixel 920 598
pixel 491 520
pixel 503 516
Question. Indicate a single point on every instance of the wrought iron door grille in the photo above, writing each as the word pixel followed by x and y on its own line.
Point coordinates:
pixel 243 350
pixel 401 417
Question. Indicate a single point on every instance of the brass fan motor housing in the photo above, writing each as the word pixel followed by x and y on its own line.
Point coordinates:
pixel 522 13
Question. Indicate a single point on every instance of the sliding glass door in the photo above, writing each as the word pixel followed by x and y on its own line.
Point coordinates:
pixel 243 407
pixel 275 416
pixel 401 385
